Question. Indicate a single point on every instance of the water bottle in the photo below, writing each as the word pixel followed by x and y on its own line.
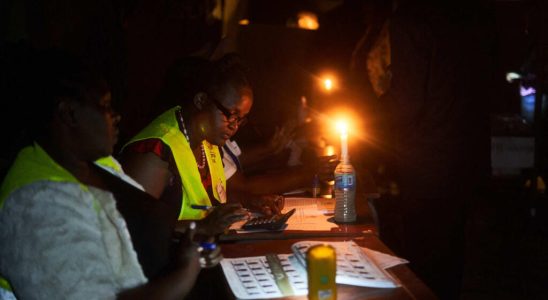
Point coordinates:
pixel 316 186
pixel 345 192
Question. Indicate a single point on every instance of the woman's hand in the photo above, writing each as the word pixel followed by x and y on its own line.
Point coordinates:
pixel 210 253
pixel 187 255
pixel 220 218
pixel 266 204
pixel 281 138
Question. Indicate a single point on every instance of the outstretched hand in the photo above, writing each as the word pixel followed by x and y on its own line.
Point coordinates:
pixel 282 136
pixel 266 204
pixel 220 218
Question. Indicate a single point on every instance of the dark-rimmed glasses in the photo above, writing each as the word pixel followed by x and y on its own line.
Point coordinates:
pixel 230 117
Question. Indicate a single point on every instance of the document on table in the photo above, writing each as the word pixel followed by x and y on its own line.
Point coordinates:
pixel 253 278
pixel 311 214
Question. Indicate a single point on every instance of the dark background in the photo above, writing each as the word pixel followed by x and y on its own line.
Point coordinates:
pixel 134 41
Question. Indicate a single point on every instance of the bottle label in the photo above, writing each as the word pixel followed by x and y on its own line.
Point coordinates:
pixel 345 181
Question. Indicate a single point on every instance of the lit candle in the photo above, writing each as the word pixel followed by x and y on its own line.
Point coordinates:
pixel 343 128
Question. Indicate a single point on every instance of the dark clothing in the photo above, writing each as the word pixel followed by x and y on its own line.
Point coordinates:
pixel 150 224
pixel 436 108
pixel 437 127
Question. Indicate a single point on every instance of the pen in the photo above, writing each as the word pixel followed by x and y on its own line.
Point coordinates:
pixel 202 207
pixel 207 246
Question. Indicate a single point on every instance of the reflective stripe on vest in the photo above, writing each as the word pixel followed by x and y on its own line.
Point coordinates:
pixel 4 284
pixel 110 162
pixel 166 128
pixel 34 164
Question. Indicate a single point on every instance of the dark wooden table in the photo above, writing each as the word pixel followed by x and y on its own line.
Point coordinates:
pixel 366 222
pixel 364 232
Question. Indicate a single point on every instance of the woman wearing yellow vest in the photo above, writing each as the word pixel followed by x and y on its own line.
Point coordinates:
pixel 176 157
pixel 62 234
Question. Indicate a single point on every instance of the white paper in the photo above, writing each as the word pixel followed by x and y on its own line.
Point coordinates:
pixel 251 278
pixel 308 216
pixel 354 266
pixel 311 214
pixel 383 260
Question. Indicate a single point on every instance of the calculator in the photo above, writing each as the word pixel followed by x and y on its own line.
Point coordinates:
pixel 275 222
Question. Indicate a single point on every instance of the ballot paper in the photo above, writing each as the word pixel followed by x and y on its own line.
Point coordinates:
pixel 311 214
pixel 252 278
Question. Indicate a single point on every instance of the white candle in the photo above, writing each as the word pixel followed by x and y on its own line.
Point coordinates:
pixel 344 141
pixel 344 147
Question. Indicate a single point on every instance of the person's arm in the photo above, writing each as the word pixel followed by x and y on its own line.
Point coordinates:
pixel 149 170
pixel 60 249
pixel 283 181
pixel 217 220
pixel 176 284
pixel 279 140
pixel 274 183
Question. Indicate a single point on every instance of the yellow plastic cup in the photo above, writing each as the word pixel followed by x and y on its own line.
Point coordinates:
pixel 321 264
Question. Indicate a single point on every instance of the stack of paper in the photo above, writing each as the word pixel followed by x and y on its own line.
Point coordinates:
pixel 252 278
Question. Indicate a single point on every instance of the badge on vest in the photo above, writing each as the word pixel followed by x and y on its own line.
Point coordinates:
pixel 221 192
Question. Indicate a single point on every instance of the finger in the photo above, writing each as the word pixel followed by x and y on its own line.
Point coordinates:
pixel 190 232
pixel 267 210
pixel 215 257
pixel 280 202
pixel 235 218
pixel 210 255
pixel 275 209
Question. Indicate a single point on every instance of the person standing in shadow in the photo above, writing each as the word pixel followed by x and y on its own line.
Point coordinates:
pixel 428 67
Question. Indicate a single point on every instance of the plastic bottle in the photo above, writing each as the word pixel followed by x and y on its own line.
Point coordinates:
pixel 316 186
pixel 345 192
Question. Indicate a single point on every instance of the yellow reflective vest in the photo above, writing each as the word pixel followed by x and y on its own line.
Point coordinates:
pixel 166 128
pixel 33 164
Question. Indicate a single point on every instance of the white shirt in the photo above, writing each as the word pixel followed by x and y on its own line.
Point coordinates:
pixel 230 166
pixel 62 242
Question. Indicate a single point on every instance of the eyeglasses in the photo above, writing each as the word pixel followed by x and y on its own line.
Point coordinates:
pixel 230 117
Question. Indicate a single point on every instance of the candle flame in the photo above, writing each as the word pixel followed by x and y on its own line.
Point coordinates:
pixel 342 126
pixel 328 84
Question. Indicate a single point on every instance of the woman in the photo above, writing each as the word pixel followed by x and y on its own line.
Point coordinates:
pixel 176 157
pixel 63 237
